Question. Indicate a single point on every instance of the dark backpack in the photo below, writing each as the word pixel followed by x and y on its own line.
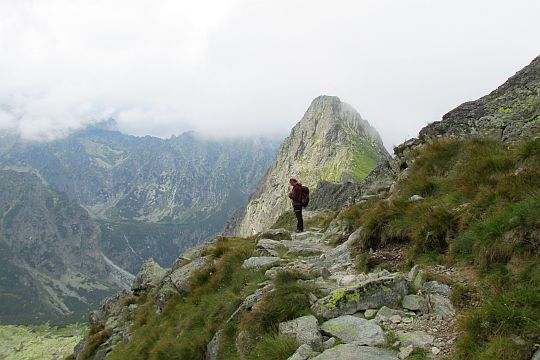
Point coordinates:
pixel 305 196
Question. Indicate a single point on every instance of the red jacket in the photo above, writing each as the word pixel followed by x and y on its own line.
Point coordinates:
pixel 296 195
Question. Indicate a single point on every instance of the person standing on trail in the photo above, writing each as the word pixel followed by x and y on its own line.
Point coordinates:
pixel 296 198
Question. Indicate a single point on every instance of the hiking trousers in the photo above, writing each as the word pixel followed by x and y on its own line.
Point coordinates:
pixel 300 220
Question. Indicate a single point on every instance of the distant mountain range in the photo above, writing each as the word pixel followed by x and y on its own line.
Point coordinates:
pixel 79 214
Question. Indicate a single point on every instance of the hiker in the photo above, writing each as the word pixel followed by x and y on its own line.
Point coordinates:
pixel 296 198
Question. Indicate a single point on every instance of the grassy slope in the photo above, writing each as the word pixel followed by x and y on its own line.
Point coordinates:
pixel 39 341
pixel 188 323
pixel 481 209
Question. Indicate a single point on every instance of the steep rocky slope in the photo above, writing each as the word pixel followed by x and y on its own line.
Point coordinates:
pixel 50 256
pixel 331 142
pixel 510 113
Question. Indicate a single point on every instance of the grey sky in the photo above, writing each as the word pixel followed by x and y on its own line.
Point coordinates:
pixel 231 67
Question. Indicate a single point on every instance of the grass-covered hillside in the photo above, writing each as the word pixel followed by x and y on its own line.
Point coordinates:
pixel 480 210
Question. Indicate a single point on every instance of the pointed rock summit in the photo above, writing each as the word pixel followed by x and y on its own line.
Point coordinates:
pixel 332 142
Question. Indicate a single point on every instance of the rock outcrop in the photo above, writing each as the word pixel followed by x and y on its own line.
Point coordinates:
pixel 332 142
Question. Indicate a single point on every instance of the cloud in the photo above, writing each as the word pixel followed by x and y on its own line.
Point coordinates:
pixel 242 67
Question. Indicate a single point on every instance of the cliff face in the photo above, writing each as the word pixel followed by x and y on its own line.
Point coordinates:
pixel 332 142
pixel 50 255
pixel 510 113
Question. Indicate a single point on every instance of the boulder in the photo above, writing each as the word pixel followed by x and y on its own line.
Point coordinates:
pixel 311 236
pixel 415 303
pixel 259 262
pixel 415 198
pixel 180 277
pixel 148 277
pixel 164 294
pixel 435 287
pixel 212 349
pixel 305 330
pixel 275 234
pixel 356 352
pixel 269 247
pixel 369 294
pixel 352 329
pixel 416 339
pixel 385 314
pixel 303 247
pixel 302 353
pixel 370 313
pixel 536 355
pixel 442 305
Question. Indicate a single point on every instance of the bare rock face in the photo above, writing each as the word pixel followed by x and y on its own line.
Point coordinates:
pixel 510 113
pixel 332 142
pixel 148 277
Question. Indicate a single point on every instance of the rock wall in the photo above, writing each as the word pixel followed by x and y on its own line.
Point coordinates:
pixel 332 142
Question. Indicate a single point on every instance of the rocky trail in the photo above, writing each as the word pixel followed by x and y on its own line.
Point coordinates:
pixel 374 315
pixel 378 315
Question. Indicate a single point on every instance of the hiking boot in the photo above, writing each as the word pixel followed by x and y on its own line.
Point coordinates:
pixel 298 231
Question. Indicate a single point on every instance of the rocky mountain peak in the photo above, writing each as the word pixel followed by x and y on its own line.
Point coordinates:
pixel 331 142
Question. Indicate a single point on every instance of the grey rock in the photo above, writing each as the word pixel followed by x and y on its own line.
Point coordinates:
pixel 212 349
pixel 370 313
pixel 356 352
pixel 275 234
pixel 434 287
pixel 415 303
pixel 415 198
pixel 536 355
pixel 417 339
pixel 305 330
pixel 308 235
pixel 510 113
pixel 303 247
pixel 385 314
pixel 352 329
pixel 405 351
pixel 325 137
pixel 330 343
pixel 441 305
pixel 269 247
pixel 244 343
pixel 180 277
pixel 304 352
pixel 370 294
pixel 413 273
pixel 148 277
pixel 259 262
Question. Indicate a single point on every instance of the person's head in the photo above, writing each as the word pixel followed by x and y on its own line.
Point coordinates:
pixel 293 181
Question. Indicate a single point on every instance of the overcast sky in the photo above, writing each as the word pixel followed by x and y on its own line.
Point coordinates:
pixel 230 67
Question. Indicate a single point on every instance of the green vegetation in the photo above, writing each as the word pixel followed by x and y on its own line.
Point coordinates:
pixel 481 208
pixel 39 341
pixel 188 323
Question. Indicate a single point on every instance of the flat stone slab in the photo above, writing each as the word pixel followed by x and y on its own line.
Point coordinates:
pixel 415 303
pixel 417 339
pixel 303 247
pixel 370 294
pixel 269 246
pixel 305 330
pixel 275 234
pixel 356 352
pixel 259 262
pixel 434 287
pixel 311 236
pixel 352 329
